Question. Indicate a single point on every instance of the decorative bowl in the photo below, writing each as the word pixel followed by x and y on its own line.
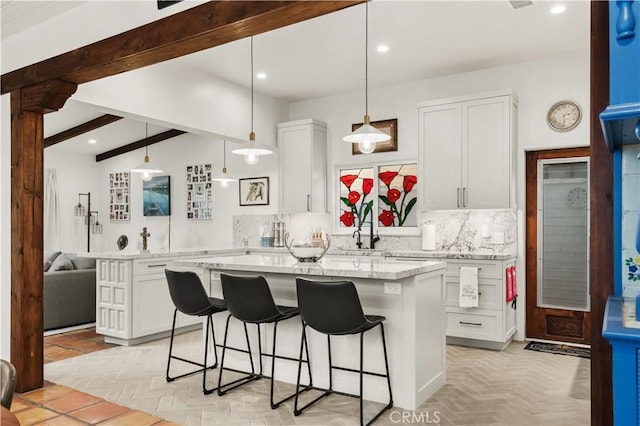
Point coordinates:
pixel 305 252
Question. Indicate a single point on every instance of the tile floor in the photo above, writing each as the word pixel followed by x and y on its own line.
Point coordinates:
pixel 58 405
pixel 483 387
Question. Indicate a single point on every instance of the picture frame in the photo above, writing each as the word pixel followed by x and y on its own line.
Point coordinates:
pixel 156 196
pixel 199 191
pixel 389 127
pixel 254 191
pixel 119 196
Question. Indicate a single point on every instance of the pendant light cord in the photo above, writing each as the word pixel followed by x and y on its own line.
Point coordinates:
pixel 366 59
pixel 252 84
pixel 224 154
pixel 146 136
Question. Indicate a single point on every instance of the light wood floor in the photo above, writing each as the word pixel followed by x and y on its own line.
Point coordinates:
pixel 512 387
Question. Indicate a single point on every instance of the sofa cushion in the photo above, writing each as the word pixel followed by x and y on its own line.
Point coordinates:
pixel 82 262
pixel 48 258
pixel 62 263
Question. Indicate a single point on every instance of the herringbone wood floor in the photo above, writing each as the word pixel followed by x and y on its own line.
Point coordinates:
pixel 512 387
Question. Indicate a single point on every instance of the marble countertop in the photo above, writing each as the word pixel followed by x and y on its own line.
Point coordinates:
pixel 377 253
pixel 373 268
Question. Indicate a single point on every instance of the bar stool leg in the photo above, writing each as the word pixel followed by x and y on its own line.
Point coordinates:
pixel 222 389
pixel 361 378
pixel 173 329
pixel 386 365
pixel 204 362
pixel 259 348
pixel 330 364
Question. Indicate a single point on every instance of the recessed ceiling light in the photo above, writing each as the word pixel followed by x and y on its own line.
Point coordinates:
pixel 383 48
pixel 93 141
pixel 558 9
pixel 261 75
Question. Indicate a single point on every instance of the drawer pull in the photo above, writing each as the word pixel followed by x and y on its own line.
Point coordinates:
pixel 477 324
pixel 160 265
pixel 479 269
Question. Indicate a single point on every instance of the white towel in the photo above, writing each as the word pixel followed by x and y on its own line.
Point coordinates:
pixel 468 297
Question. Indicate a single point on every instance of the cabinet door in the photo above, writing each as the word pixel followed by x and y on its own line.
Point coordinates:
pixel 486 153
pixel 294 146
pixel 152 307
pixel 440 154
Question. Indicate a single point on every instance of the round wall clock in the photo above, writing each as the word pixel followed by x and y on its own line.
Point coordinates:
pixel 577 197
pixel 564 116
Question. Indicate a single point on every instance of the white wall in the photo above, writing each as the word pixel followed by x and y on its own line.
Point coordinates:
pixel 172 156
pixel 537 84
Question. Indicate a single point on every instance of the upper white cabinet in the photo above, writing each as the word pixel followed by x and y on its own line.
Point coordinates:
pixel 467 151
pixel 302 148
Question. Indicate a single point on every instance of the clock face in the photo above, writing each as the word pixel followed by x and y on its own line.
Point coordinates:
pixel 564 116
pixel 577 197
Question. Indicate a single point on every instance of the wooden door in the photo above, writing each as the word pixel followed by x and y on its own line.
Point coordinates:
pixel 557 229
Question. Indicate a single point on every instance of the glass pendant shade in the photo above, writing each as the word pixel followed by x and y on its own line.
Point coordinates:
pixel 97 228
pixel 78 210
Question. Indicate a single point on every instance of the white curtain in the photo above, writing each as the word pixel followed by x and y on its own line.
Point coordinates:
pixel 51 211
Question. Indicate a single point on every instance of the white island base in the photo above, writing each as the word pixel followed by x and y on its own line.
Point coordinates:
pixel 414 328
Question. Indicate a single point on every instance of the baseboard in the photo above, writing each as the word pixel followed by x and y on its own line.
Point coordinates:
pixel 68 329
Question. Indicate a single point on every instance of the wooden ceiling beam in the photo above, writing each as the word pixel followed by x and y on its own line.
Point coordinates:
pixel 202 27
pixel 80 129
pixel 140 144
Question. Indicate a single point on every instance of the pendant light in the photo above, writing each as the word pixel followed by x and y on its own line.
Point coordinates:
pixel 252 151
pixel 366 136
pixel 147 169
pixel 224 178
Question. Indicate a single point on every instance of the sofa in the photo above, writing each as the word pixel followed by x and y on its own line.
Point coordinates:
pixel 69 290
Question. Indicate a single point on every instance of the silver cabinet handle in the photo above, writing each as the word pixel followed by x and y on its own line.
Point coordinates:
pixel 158 265
pixel 464 197
pixel 477 324
pixel 458 198
pixel 308 199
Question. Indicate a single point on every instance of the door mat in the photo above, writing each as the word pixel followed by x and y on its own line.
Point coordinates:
pixel 556 348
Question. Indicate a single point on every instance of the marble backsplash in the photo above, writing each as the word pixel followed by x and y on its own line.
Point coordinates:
pixel 457 231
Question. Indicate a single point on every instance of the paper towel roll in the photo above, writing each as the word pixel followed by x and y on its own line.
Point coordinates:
pixel 428 237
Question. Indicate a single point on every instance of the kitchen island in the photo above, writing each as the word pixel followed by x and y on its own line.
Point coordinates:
pixel 410 294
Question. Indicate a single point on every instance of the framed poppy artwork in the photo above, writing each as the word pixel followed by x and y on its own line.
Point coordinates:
pixel 397 195
pixel 356 197
pixel 389 127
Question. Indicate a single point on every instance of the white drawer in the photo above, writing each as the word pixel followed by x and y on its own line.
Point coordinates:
pixel 489 294
pixel 486 268
pixel 481 325
pixel 151 266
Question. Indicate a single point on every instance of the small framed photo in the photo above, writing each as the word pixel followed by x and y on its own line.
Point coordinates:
pixel 389 127
pixel 254 191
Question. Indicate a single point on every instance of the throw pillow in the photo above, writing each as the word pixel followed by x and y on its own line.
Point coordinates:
pixel 62 263
pixel 83 262
pixel 47 265
pixel 65 265
pixel 48 258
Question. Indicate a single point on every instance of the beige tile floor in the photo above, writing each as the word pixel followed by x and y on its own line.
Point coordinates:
pixel 512 387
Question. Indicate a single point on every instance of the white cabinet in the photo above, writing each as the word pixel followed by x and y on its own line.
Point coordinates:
pixel 133 301
pixel 302 150
pixel 467 151
pixel 493 323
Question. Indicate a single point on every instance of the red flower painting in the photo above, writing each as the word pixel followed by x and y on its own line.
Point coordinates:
pixel 397 199
pixel 357 206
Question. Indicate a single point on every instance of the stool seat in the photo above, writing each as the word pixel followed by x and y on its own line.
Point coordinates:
pixel 217 305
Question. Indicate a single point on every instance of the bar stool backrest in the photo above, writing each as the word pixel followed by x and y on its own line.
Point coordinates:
pixel 248 298
pixel 330 307
pixel 187 292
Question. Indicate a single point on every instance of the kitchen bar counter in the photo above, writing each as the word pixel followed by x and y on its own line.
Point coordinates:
pixel 410 294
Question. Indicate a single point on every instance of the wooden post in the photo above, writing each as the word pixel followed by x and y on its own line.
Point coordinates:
pixel 601 241
pixel 28 106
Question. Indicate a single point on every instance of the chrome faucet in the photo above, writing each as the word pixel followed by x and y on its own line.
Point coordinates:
pixel 358 241
pixel 245 241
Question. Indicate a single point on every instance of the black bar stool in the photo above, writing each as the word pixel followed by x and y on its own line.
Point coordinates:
pixel 190 298
pixel 334 308
pixel 249 300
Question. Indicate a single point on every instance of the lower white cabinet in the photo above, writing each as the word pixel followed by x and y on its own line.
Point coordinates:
pixel 133 302
pixel 493 323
